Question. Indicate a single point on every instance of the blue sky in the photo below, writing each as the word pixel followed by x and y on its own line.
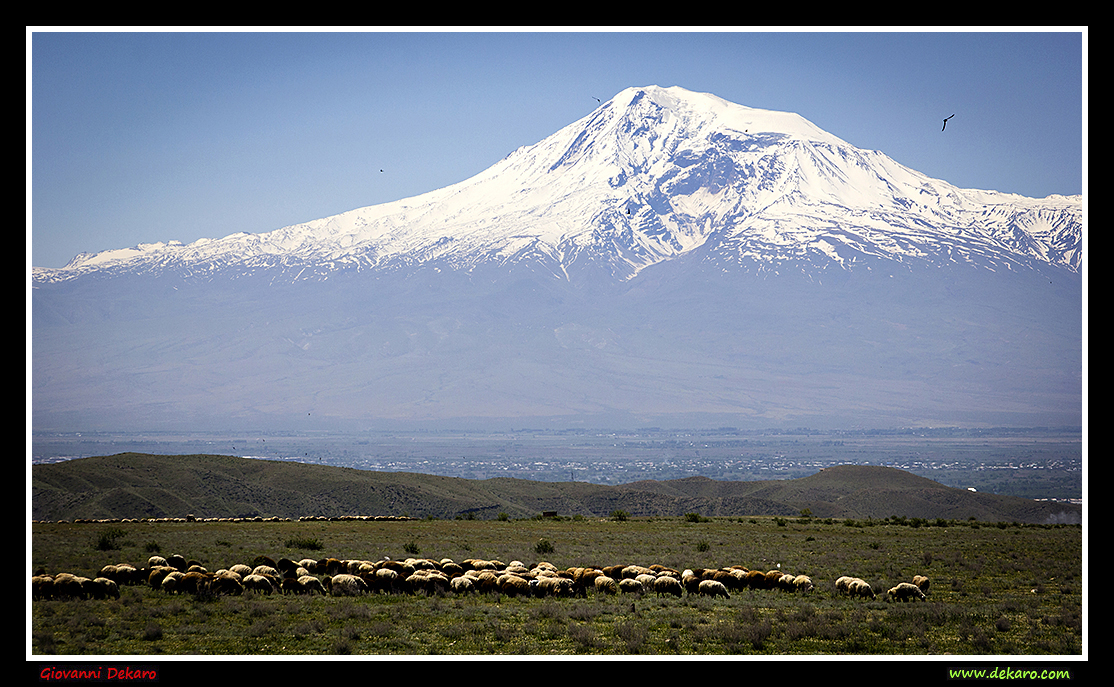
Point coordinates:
pixel 149 136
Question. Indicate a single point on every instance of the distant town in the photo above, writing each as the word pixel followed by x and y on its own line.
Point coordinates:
pixel 1033 463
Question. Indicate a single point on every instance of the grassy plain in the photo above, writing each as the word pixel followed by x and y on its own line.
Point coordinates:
pixel 998 589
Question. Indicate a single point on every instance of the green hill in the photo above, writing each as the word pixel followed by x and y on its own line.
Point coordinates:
pixel 132 485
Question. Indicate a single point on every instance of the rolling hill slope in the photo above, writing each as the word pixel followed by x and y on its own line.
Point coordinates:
pixel 131 485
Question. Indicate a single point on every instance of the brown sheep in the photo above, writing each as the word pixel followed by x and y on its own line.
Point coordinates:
pixel 513 585
pixel 754 579
pixel 228 583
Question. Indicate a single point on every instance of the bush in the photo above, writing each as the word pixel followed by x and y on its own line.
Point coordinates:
pixel 106 540
pixel 543 546
pixel 619 515
pixel 411 548
pixel 703 545
pixel 305 543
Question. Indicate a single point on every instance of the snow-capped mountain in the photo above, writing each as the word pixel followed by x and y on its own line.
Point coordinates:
pixel 670 259
pixel 650 175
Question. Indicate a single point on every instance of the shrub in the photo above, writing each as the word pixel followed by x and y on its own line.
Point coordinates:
pixel 106 540
pixel 543 546
pixel 306 543
pixel 411 548
pixel 619 515
pixel 703 545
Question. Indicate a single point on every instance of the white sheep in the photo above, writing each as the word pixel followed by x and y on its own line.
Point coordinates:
pixel 712 588
pixel 311 585
pixel 629 585
pixel 666 584
pixel 922 582
pixel 606 585
pixel 859 588
pixel 345 585
pixel 905 592
pixel 257 583
pixel 802 583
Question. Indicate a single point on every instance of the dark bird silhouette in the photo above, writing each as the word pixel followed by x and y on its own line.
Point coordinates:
pixel 945 123
pixel 597 99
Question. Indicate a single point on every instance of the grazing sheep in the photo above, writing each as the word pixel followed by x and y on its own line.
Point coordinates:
pixel 785 583
pixel 193 583
pixel 646 580
pixel 311 585
pixel 802 583
pixel 922 582
pixel 486 581
pixel 155 577
pixel 42 587
pixel 712 588
pixel 513 585
pixel 691 581
pixel 267 570
pixel 67 586
pixel 859 588
pixel 258 583
pixel 241 570
pixel 629 585
pixel 384 580
pixel 905 592
pixel 290 585
pixel 345 585
pixel 226 583
pixel 668 585
pixel 178 562
pixel 843 584
pixel 103 588
pixel 754 579
pixel 462 584
pixel 554 586
pixel 606 585
pixel 170 581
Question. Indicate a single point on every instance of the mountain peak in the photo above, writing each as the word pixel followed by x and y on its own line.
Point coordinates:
pixel 710 112
pixel 652 174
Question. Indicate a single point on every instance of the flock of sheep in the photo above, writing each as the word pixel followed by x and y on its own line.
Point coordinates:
pixel 331 576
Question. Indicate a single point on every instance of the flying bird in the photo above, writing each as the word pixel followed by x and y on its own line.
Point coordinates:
pixel 945 123
pixel 597 99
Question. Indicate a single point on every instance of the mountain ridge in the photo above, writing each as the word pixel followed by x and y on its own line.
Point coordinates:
pixel 131 485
